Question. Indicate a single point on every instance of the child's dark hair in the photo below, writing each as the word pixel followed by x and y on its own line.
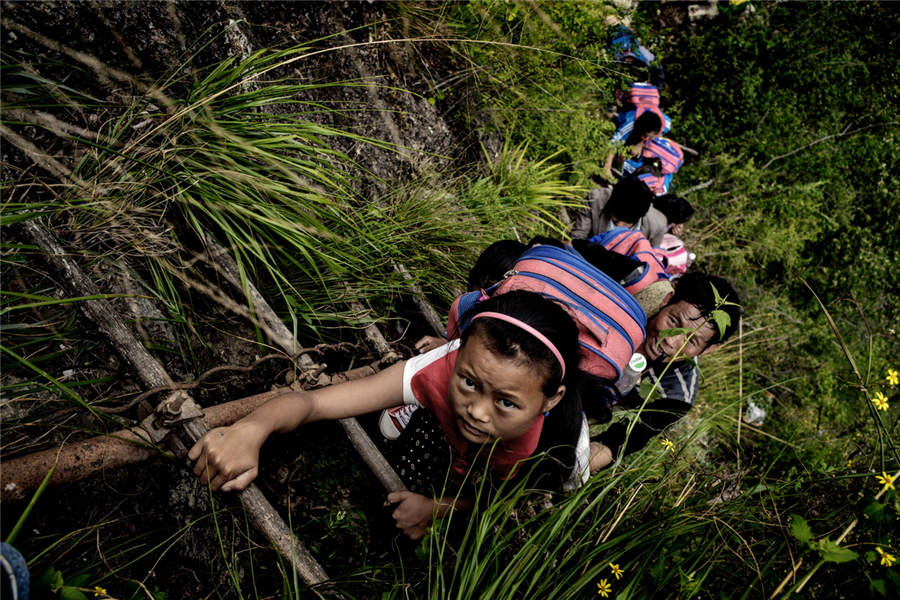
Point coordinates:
pixel 677 210
pixel 697 289
pixel 493 262
pixel 563 425
pixel 629 201
pixel 648 122
pixel 617 266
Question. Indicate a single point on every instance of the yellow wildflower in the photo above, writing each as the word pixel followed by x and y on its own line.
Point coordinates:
pixel 886 480
pixel 892 377
pixel 849 463
pixel 887 559
pixel 99 591
pixel 668 445
pixel 880 401
pixel 603 588
pixel 616 570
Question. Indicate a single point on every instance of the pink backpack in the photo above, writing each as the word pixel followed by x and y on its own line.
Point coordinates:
pixel 634 244
pixel 610 322
pixel 670 154
pixel 674 255
pixel 641 94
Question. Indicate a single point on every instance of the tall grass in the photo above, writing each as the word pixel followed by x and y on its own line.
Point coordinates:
pixel 688 520
pixel 257 170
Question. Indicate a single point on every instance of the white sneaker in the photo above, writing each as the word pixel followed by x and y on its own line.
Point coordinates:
pixel 394 420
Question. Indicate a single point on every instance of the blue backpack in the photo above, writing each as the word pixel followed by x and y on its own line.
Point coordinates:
pixel 627 48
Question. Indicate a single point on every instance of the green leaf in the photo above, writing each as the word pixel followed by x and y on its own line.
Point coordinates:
pixel 56 581
pixel 658 570
pixel 831 552
pixel 759 487
pixel 800 529
pixel 159 594
pixel 722 319
pixel 874 511
pixel 47 580
pixel 893 577
pixel 716 296
pixel 675 331
pixel 878 585
pixel 71 593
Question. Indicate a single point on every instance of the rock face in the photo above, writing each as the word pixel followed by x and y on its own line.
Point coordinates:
pixel 150 40
pixel 118 50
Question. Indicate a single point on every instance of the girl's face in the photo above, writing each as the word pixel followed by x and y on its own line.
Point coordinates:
pixel 496 397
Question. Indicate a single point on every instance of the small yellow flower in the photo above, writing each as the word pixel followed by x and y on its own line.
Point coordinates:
pixel 887 559
pixel 99 591
pixel 886 480
pixel 603 588
pixel 616 570
pixel 880 401
pixel 668 445
pixel 892 377
pixel 849 463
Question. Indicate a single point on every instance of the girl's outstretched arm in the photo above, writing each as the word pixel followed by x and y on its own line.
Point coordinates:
pixel 228 457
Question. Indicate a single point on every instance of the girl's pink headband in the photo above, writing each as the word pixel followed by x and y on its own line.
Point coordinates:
pixel 525 326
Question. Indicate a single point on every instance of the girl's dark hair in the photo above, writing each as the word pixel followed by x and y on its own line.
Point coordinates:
pixel 647 122
pixel 493 262
pixel 563 425
pixel 677 210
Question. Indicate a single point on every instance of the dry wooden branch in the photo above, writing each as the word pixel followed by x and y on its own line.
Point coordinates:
pixel 846 131
pixel 40 158
pixel 151 373
pixel 100 312
pixel 424 307
pixel 189 385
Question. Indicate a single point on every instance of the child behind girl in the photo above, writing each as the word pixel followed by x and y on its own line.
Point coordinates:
pixel 512 378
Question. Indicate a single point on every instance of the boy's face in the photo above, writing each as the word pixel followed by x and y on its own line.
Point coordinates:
pixel 678 315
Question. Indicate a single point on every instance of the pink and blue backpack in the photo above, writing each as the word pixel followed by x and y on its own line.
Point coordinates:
pixel 667 154
pixel 641 94
pixel 634 244
pixel 610 322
